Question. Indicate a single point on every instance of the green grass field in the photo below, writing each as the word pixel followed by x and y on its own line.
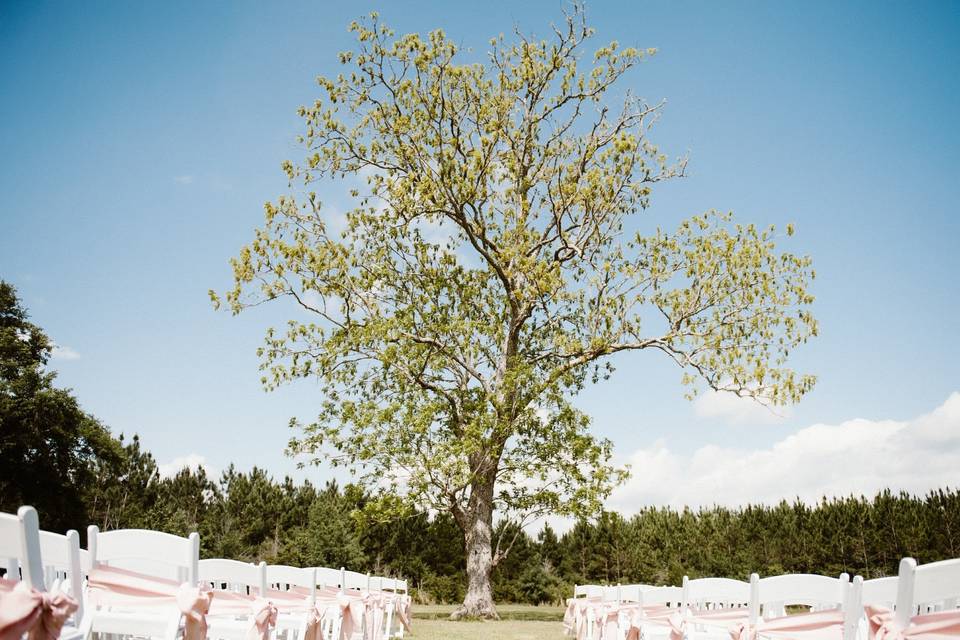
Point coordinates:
pixel 520 622
pixel 506 629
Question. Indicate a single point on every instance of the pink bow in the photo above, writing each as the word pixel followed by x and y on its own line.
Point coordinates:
pixel 314 623
pixel 264 618
pixel 929 626
pixel 41 615
pixel 743 631
pixel 352 609
pixel 661 616
pixel 194 604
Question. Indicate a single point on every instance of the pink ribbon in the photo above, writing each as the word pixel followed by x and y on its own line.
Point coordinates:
pixel 352 609
pixel 403 609
pixel 929 626
pixel 41 615
pixel 661 616
pixel 297 600
pixel 194 604
pixel 816 625
pixel 264 618
pixel 111 586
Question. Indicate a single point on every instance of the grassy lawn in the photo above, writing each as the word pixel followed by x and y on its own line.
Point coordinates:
pixel 520 622
pixel 506 629
pixel 514 612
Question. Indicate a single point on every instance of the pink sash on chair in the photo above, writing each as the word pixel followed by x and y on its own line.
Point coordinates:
pixel 41 615
pixel 112 586
pixel 261 613
pixel 351 609
pixel 264 619
pixel 402 607
pixel 816 625
pixel 940 625
pixel 660 616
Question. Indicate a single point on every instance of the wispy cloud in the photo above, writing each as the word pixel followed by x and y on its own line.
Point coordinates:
pixel 183 179
pixel 857 456
pixel 61 352
pixel 733 409
pixel 189 461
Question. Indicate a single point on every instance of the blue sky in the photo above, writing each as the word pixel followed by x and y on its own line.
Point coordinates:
pixel 139 141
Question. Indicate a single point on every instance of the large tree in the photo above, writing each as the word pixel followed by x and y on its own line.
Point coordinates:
pixel 490 265
pixel 49 447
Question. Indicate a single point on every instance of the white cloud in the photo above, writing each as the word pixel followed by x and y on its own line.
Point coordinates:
pixel 189 461
pixel 61 352
pixel 733 409
pixel 183 179
pixel 856 456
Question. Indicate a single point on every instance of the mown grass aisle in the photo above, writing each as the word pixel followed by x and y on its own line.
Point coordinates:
pixel 504 629
pixel 519 622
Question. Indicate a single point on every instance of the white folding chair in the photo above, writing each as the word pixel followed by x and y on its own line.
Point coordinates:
pixel 62 566
pixel 926 588
pixel 590 592
pixel 671 597
pixel 238 577
pixel 286 578
pixel 775 593
pixel 153 554
pixel 400 588
pixel 387 588
pixel 772 595
pixel 20 547
pixel 22 543
pixel 704 594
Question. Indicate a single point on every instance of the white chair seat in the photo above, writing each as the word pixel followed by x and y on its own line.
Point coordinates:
pixel 156 623
pixel 224 628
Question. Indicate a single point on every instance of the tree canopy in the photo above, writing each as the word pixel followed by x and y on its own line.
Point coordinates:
pixel 493 262
pixel 48 445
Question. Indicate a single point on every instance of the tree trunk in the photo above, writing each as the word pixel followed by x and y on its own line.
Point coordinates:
pixel 477 525
pixel 478 603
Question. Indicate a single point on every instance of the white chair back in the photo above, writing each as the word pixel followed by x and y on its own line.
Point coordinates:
pixel 10 547
pixel 20 545
pixel 879 591
pixel 328 578
pixel 772 595
pixel 713 593
pixel 153 553
pixel 384 584
pixel 587 591
pixel 354 580
pixel 928 587
pixel 233 575
pixel 629 593
pixel 62 561
pixel 284 577
pixel 668 596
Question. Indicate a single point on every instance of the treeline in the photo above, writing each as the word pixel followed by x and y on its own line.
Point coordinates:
pixel 250 516
pixel 65 463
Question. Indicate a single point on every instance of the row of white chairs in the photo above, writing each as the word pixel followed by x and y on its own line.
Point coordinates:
pixel 917 590
pixel 46 561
